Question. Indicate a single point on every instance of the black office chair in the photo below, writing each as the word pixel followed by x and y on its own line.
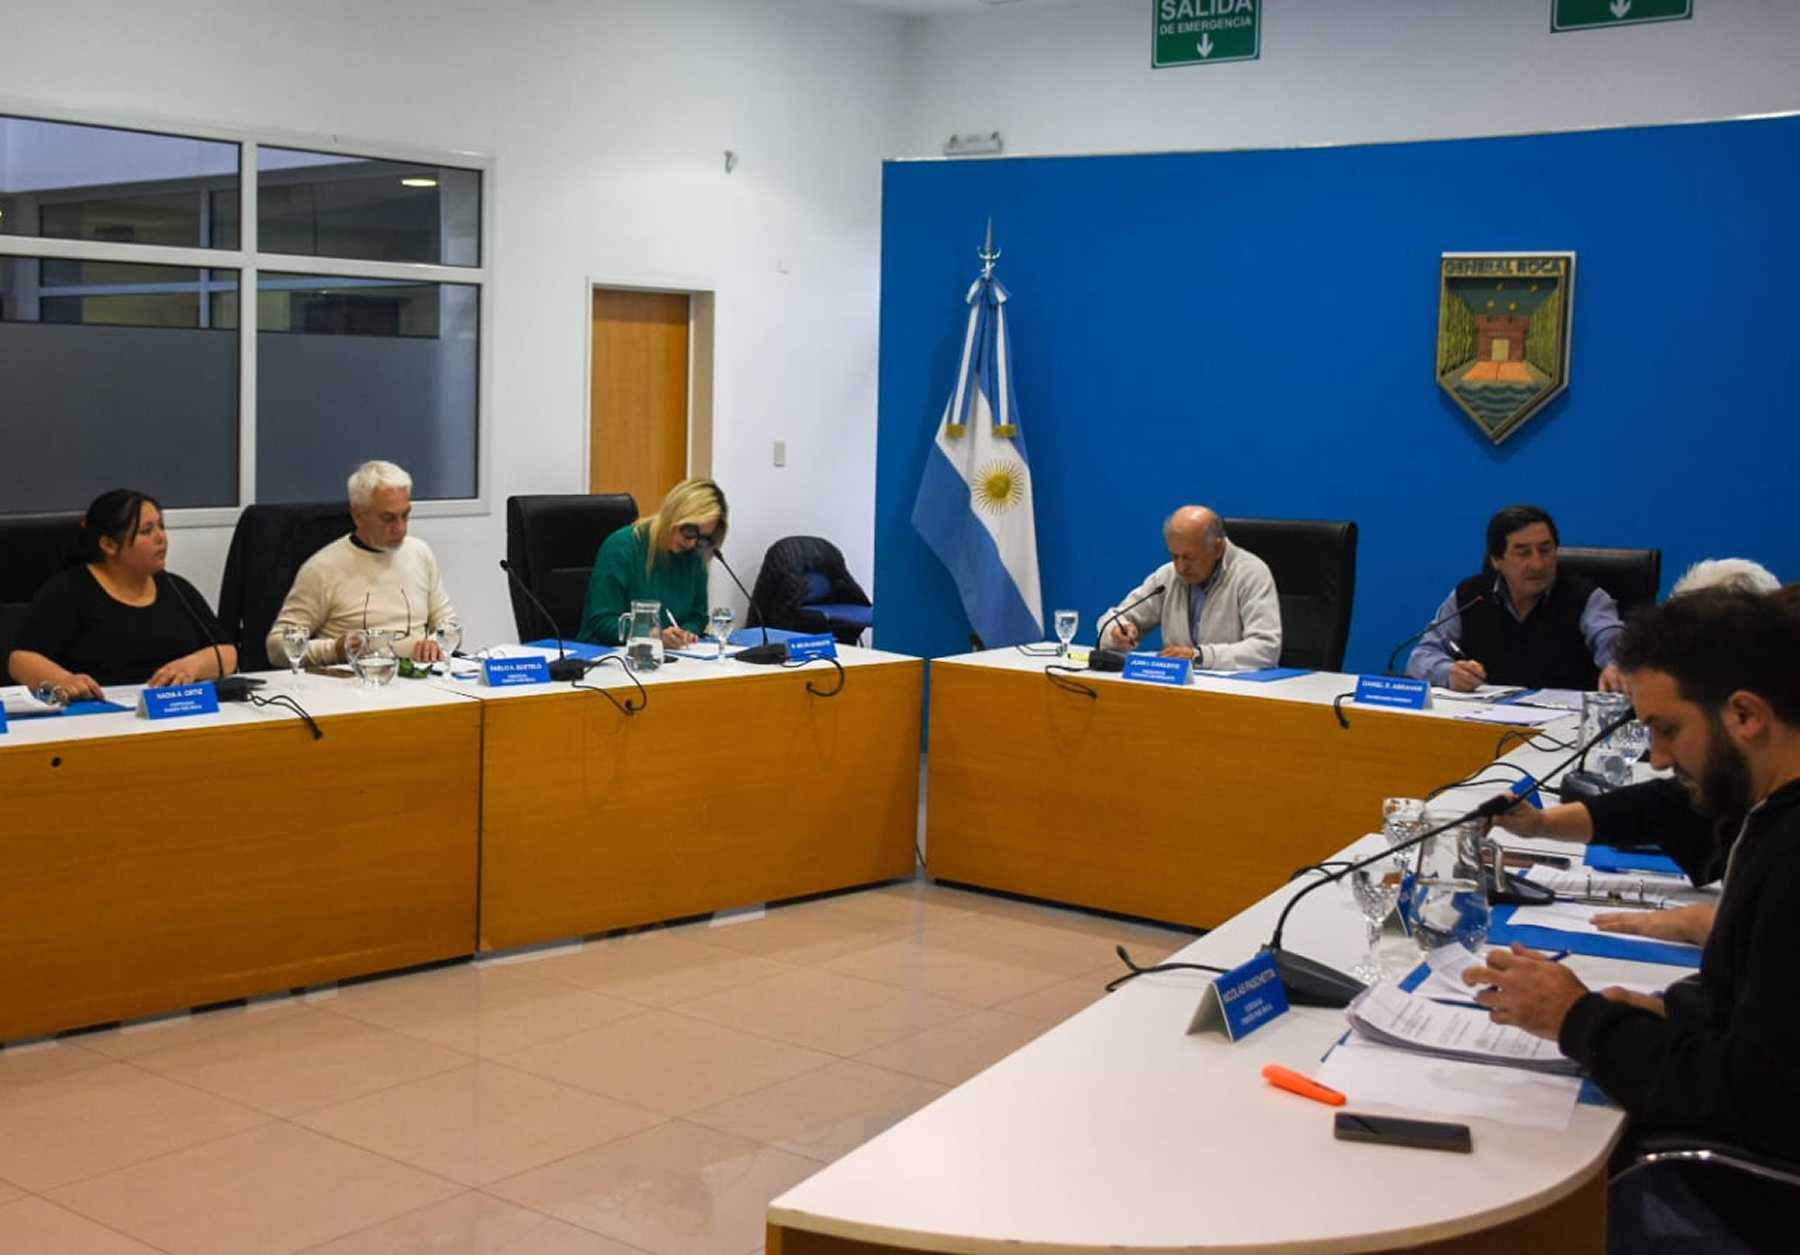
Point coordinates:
pixel 268 548
pixel 1756 1196
pixel 33 547
pixel 1632 576
pixel 551 541
pixel 805 586
pixel 1314 565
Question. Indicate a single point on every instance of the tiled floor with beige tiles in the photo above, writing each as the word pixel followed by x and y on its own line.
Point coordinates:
pixel 642 1093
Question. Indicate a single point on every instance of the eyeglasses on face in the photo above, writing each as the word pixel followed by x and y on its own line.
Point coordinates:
pixel 692 532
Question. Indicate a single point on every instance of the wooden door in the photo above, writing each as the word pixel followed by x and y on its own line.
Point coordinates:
pixel 638 406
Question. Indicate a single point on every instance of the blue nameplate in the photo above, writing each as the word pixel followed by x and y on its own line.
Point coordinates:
pixel 506 672
pixel 2 720
pixel 1527 788
pixel 1155 669
pixel 1395 691
pixel 179 699
pixel 806 648
pixel 1242 1000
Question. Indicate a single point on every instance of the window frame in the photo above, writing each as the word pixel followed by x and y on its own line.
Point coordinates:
pixel 249 262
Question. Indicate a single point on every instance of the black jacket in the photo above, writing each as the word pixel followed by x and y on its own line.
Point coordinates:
pixel 1725 1065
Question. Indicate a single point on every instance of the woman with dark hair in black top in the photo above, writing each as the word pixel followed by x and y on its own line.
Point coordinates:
pixel 116 616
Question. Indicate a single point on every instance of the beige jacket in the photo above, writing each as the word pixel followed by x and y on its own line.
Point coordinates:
pixel 1240 625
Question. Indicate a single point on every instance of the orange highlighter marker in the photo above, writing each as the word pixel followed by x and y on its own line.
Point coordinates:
pixel 1304 1086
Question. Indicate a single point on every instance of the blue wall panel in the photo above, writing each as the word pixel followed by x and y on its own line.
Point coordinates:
pixel 1256 331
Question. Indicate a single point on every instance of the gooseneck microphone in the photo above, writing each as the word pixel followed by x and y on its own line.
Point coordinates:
pixel 230 688
pixel 1313 984
pixel 1470 604
pixel 1103 659
pixel 564 668
pixel 768 653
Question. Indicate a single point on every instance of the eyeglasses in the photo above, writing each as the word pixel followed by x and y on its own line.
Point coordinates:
pixel 403 597
pixel 691 531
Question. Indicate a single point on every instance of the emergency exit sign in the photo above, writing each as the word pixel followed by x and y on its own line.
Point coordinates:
pixel 1204 32
pixel 1580 15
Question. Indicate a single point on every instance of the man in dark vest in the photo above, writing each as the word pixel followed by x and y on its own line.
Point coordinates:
pixel 1518 622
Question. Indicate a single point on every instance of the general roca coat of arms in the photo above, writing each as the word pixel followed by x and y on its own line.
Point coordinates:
pixel 1503 334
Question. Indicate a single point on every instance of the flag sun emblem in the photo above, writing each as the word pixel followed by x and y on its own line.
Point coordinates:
pixel 998 486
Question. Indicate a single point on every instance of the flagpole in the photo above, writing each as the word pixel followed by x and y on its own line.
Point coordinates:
pixel 988 253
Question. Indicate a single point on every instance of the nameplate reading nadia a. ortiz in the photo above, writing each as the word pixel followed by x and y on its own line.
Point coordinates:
pixel 506 672
pixel 1392 690
pixel 1155 669
pixel 806 648
pixel 1242 1000
pixel 176 700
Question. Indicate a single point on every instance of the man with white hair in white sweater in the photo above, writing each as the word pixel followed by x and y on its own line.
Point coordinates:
pixel 376 579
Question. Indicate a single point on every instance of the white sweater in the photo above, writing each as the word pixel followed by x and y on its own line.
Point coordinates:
pixel 334 586
pixel 1240 624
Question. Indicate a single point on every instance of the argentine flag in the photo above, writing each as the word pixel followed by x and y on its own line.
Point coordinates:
pixel 974 505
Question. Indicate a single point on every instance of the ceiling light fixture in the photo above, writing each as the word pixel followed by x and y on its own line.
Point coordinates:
pixel 418 182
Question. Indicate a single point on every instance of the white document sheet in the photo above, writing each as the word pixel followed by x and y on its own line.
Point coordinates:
pixel 1366 1072
pixel 19 703
pixel 1485 693
pixel 1516 716
pixel 1578 917
pixel 1630 888
pixel 1387 1013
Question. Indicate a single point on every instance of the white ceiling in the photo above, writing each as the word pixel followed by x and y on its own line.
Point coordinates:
pixel 924 8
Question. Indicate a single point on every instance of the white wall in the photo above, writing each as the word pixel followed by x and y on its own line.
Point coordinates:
pixel 1074 76
pixel 607 122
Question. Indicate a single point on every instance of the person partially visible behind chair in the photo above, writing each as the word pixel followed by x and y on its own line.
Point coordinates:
pixel 1718 1058
pixel 1741 574
pixel 1520 622
pixel 117 615
pixel 661 558
pixel 377 579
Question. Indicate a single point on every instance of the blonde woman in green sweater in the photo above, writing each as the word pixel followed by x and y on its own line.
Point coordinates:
pixel 659 558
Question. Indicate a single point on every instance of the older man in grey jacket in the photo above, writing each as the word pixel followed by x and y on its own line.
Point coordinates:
pixel 1218 604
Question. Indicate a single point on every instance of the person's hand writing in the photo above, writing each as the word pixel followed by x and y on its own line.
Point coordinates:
pixel 677 638
pixel 1526 989
pixel 1124 634
pixel 1467 675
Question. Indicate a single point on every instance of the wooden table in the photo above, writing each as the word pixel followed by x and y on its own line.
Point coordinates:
pixel 736 786
pixel 1184 805
pixel 1117 1131
pixel 147 868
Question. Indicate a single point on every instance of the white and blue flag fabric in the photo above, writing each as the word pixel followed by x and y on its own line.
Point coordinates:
pixel 974 506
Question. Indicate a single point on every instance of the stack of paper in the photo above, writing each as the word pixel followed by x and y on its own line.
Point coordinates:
pixel 1386 1014
pixel 19 703
pixel 1625 889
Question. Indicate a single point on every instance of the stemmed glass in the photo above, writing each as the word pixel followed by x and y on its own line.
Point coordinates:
pixel 294 642
pixel 1066 623
pixel 1376 890
pixel 449 638
pixel 1402 819
pixel 718 626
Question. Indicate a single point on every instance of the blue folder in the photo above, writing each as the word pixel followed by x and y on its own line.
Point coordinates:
pixel 574 649
pixel 1262 676
pixel 1604 858
pixel 1601 945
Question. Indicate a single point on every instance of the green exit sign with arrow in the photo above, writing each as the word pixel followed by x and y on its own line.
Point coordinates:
pixel 1580 15
pixel 1204 32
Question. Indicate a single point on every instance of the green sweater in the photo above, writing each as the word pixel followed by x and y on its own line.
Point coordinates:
pixel 678 581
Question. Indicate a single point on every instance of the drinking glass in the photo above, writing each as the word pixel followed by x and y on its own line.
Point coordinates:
pixel 1402 819
pixel 294 641
pixel 718 626
pixel 1376 890
pixel 1611 758
pixel 355 641
pixel 449 638
pixel 1066 623
pixel 1450 911
pixel 376 663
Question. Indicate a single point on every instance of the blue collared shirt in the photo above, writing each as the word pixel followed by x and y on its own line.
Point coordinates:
pixel 1431 657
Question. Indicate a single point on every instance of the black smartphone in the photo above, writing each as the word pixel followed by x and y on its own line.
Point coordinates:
pixel 1424 1134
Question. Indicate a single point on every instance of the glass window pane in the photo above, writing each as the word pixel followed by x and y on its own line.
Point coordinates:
pixel 64 181
pixel 352 369
pixel 114 386
pixel 328 205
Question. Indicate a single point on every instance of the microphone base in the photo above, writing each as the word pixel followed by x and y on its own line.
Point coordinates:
pixel 1580 785
pixel 568 670
pixel 768 654
pixel 1106 660
pixel 235 688
pixel 1312 984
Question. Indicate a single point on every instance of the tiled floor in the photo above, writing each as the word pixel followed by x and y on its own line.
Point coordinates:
pixel 642 1093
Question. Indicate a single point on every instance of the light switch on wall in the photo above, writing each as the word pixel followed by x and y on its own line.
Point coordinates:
pixel 781 453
